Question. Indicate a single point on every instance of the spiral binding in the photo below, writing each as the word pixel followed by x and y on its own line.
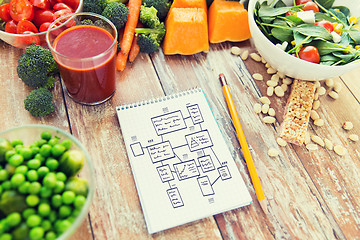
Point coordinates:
pixel 159 99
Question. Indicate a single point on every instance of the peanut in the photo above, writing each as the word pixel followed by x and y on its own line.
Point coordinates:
pixel 271 83
pixel 312 147
pixel 271 112
pixel 348 125
pixel 255 57
pixel 257 108
pixel 316 104
pixel 328 144
pixel 275 78
pixel 314 115
pixel 334 95
pixel 284 87
pixel 235 50
pixel 317 140
pixel 321 91
pixel 307 138
pixel 339 150
pixel 271 70
pixel 280 74
pixel 317 84
pixel 273 152
pixel 264 100
pixel 281 142
pixel 354 137
pixel 287 81
pixel 258 76
pixel 269 119
pixel 270 91
pixel 319 122
pixel 337 86
pixel 329 82
pixel 279 91
pixel 265 108
pixel 244 55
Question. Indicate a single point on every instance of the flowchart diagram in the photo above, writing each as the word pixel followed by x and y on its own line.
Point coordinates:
pixel 190 158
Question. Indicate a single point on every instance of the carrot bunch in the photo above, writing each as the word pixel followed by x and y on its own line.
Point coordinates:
pixel 128 43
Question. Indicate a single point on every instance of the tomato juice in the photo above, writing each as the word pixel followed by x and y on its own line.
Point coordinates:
pixel 85 55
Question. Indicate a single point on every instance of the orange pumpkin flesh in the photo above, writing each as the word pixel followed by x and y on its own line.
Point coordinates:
pixel 186 31
pixel 189 4
pixel 228 21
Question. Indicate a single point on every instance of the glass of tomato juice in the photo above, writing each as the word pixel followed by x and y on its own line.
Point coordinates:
pixel 84 47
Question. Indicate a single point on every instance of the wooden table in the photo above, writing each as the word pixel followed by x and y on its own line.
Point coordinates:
pixel 311 195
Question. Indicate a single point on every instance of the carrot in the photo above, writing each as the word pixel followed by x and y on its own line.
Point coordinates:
pixel 129 32
pixel 134 50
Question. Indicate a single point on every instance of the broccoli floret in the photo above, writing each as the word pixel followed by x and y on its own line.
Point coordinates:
pixel 148 16
pixel 36 67
pixel 162 6
pixel 117 13
pixel 94 6
pixel 149 39
pixel 39 102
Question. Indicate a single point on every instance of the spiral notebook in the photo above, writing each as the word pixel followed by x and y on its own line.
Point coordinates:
pixel 182 167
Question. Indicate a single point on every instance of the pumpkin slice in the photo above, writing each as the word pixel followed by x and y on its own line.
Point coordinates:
pixel 186 31
pixel 228 21
pixel 189 4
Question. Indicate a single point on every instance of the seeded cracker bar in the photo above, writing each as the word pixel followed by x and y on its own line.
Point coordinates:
pixel 297 112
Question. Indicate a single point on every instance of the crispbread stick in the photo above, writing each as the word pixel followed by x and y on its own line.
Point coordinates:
pixel 297 112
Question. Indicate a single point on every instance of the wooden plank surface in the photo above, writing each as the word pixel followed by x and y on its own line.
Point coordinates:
pixel 311 195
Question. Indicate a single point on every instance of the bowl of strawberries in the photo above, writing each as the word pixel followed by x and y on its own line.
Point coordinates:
pixel 24 22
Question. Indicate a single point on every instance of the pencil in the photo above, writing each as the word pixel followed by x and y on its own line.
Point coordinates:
pixel 244 146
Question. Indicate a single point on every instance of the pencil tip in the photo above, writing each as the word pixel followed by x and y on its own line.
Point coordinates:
pixel 263 205
pixel 222 79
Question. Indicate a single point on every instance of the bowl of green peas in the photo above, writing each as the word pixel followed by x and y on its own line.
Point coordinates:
pixel 46 183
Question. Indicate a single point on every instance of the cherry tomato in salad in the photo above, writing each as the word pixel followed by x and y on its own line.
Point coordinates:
pixel 27 40
pixel 11 26
pixel 73 4
pixel 43 4
pixel 25 25
pixel 42 16
pixel 59 6
pixel 21 9
pixel 310 54
pixel 44 27
pixel 326 24
pixel 5 12
pixel 311 6
pixel 300 2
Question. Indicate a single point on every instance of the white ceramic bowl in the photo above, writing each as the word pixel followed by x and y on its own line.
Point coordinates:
pixel 290 65
pixel 29 133
pixel 20 40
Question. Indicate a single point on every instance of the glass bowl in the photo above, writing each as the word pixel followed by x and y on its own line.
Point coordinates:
pixel 25 40
pixel 30 133
pixel 293 66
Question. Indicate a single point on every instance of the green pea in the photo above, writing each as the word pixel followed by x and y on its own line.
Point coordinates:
pixel 36 233
pixel 18 148
pixel 17 179
pixel 4 175
pixel 6 236
pixel 53 216
pixel 42 171
pixel 26 152
pixel 32 175
pixel 66 143
pixel 28 212
pixel 49 180
pixel 45 192
pixel 45 150
pixel 33 220
pixel 79 201
pixel 34 163
pixel 10 168
pixel 21 232
pixel 1 189
pixel 16 159
pixel 56 200
pixel 40 157
pixel 21 169
pixel 6 185
pixel 46 225
pixel 59 187
pixel 62 226
pixel 40 142
pixel 46 135
pixel 64 211
pixel 61 176
pixel 8 154
pixel 4 225
pixel 24 187
pixel 57 150
pixel 50 235
pixel 44 209
pixel 34 188
pixel 17 142
pixel 52 163
pixel 53 141
pixel 32 200
pixel 35 150
pixel 13 219
pixel 76 212
pixel 68 197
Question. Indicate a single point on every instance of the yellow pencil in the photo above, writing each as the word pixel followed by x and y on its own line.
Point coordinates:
pixel 244 146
